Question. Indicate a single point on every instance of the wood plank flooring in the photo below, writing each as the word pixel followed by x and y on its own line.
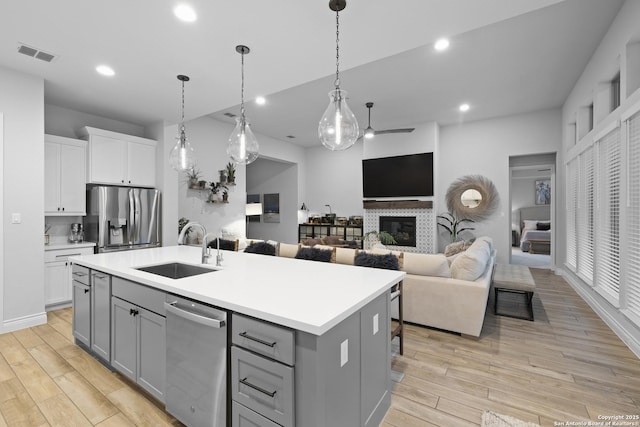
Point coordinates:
pixel 565 366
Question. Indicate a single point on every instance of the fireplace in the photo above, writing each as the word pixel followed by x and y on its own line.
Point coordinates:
pixel 402 228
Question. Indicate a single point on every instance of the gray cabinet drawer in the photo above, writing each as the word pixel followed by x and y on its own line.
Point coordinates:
pixel 80 274
pixel 245 417
pixel 143 296
pixel 263 385
pixel 264 338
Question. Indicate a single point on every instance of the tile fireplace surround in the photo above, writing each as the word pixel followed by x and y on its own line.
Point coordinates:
pixel 425 223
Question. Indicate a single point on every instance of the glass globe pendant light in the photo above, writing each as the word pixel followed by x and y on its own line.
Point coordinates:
pixel 338 128
pixel 243 145
pixel 182 157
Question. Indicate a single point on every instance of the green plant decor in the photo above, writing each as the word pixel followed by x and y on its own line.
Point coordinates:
pixel 193 176
pixel 453 225
pixel 181 223
pixel 231 173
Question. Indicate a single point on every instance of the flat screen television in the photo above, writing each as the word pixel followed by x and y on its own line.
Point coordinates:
pixel 398 176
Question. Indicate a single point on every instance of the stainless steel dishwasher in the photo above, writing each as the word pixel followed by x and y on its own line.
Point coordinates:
pixel 196 387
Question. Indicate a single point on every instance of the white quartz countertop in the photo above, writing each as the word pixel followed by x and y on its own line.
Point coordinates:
pixel 309 296
pixel 66 245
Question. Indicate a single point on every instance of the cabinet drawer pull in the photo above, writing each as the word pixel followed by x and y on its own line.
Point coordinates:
pixel 77 273
pixel 258 340
pixel 99 276
pixel 86 291
pixel 255 387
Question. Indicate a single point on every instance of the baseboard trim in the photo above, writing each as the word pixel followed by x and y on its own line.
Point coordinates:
pixel 629 337
pixel 24 322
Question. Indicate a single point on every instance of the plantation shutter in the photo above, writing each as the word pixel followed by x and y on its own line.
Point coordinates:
pixel 585 216
pixel 572 204
pixel 607 265
pixel 632 254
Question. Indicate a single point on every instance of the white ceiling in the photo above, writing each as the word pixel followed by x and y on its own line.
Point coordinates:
pixel 506 57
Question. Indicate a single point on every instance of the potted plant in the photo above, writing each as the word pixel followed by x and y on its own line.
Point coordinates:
pixel 231 173
pixel 215 188
pixel 223 176
pixel 193 177
pixel 225 196
pixel 372 238
pixel 453 225
pixel 181 223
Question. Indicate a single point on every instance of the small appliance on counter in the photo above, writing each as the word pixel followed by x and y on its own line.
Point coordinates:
pixel 77 233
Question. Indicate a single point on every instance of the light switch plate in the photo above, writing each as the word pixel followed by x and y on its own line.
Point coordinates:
pixel 344 352
pixel 376 326
pixel 16 218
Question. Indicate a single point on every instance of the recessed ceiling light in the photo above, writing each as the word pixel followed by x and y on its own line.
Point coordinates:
pixel 464 107
pixel 441 44
pixel 185 13
pixel 105 70
pixel 260 100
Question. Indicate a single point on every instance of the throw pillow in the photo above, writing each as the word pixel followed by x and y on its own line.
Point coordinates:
pixel 543 226
pixel 472 263
pixel 287 250
pixel 262 248
pixel 426 264
pixel 228 245
pixel 387 261
pixel 455 247
pixel 314 254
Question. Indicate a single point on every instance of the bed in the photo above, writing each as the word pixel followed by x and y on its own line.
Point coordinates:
pixel 535 229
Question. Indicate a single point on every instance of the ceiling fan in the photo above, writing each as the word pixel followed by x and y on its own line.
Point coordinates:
pixel 369 132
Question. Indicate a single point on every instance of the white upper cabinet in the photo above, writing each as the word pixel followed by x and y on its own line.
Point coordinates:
pixel 120 159
pixel 64 174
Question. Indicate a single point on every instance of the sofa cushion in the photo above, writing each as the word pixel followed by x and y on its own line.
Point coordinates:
pixel 470 264
pixel 385 261
pixel 314 254
pixel 262 248
pixel 454 248
pixel 287 250
pixel 345 255
pixel 426 264
pixel 382 250
pixel 226 244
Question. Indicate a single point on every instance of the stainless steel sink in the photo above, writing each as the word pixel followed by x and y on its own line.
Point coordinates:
pixel 176 270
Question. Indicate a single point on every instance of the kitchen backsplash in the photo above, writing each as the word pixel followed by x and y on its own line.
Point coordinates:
pixel 60 227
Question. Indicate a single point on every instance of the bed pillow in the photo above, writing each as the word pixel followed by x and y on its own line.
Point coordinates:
pixel 529 224
pixel 314 254
pixel 262 248
pixel 385 261
pixel 543 226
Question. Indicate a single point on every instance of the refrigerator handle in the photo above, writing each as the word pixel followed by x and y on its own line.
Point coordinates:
pixel 132 220
pixel 137 213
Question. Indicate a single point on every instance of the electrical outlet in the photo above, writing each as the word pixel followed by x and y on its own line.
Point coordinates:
pixel 376 326
pixel 16 218
pixel 344 352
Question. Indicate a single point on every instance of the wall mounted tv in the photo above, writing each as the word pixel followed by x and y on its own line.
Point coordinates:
pixel 398 176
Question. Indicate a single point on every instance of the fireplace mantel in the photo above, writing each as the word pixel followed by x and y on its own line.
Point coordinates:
pixel 397 204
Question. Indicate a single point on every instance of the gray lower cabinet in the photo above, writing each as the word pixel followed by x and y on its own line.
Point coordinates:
pixel 101 314
pixel 138 341
pixel 262 373
pixel 81 305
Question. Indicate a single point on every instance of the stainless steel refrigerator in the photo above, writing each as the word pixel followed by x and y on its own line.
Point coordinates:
pixel 122 218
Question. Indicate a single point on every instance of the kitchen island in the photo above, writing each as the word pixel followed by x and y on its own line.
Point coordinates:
pixel 337 316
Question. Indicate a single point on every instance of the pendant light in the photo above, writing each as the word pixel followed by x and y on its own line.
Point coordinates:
pixel 243 146
pixel 338 128
pixel 182 157
pixel 369 132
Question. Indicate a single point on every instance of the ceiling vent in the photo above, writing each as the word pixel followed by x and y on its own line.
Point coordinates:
pixel 35 53
pixel 230 115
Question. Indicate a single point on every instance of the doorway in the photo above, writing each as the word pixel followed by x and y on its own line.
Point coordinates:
pixel 532 202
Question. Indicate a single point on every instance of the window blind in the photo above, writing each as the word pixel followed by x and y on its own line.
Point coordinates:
pixel 632 253
pixel 572 205
pixel 607 259
pixel 585 226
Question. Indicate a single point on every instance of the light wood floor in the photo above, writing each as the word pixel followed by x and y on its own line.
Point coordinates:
pixel 565 366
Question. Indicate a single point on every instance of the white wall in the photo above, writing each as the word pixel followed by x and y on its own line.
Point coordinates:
pixel 22 102
pixel 267 176
pixel 484 148
pixel 66 122
pixel 209 140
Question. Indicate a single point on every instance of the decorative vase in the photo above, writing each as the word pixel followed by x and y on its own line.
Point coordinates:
pixel 223 177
